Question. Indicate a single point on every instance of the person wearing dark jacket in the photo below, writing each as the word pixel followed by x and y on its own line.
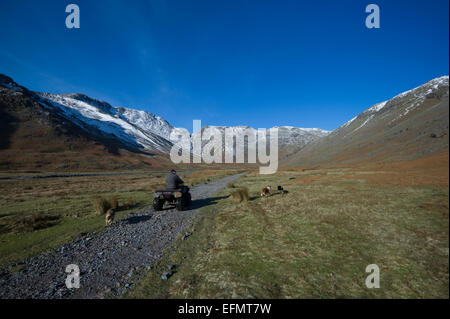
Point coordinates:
pixel 173 181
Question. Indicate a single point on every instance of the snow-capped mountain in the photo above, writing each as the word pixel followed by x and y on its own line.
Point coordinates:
pixel 146 121
pixel 402 103
pixel 137 128
pixel 134 127
pixel 288 136
pixel 71 132
pixel 148 130
pixel 410 125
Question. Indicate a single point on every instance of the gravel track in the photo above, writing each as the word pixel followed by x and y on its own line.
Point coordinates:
pixel 106 259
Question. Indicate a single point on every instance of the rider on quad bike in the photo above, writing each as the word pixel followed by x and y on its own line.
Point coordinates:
pixel 175 193
pixel 173 181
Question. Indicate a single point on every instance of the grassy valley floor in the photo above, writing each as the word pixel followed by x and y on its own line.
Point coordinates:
pixel 315 241
pixel 38 214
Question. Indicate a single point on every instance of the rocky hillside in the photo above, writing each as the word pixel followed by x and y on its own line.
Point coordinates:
pixel 92 114
pixel 411 125
pixel 67 132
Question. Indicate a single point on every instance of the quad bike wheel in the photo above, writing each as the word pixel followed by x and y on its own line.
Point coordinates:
pixel 158 204
pixel 179 204
pixel 183 202
pixel 189 199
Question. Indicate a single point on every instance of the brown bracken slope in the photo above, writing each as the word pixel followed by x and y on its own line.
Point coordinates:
pixel 408 132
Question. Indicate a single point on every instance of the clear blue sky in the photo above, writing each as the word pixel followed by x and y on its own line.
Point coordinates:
pixel 259 63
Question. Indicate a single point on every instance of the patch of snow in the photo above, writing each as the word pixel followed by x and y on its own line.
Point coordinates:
pixel 365 122
pixel 430 85
pixel 349 122
pixel 146 121
pixel 377 107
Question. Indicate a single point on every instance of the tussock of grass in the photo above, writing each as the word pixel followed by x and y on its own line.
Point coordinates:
pixel 101 205
pixel 114 202
pixel 231 185
pixel 241 194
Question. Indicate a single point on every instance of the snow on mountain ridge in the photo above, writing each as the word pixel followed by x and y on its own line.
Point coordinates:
pixel 377 107
pixel 103 106
pixel 147 121
pixel 144 120
pixel 80 110
pixel 287 135
pixel 414 98
pixel 146 129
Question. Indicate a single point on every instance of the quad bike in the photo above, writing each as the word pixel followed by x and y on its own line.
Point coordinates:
pixel 181 198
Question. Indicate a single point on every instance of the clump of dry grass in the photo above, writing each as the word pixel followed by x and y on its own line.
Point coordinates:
pixel 231 185
pixel 114 202
pixel 102 204
pixel 241 194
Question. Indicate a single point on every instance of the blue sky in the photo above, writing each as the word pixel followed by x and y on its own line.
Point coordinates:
pixel 259 63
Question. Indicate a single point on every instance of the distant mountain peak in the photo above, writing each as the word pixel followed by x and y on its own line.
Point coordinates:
pixel 146 121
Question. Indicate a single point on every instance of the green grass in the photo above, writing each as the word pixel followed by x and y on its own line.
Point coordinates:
pixel 70 202
pixel 314 242
pixel 77 217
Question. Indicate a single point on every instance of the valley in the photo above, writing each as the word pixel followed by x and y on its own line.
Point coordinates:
pixel 372 191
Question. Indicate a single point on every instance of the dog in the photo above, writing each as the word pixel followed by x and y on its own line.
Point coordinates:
pixel 110 216
pixel 266 191
pixel 281 190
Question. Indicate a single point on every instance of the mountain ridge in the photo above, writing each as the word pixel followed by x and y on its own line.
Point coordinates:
pixel 412 124
pixel 114 127
pixel 400 123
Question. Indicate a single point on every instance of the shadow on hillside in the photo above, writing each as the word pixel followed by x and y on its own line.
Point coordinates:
pixel 7 127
